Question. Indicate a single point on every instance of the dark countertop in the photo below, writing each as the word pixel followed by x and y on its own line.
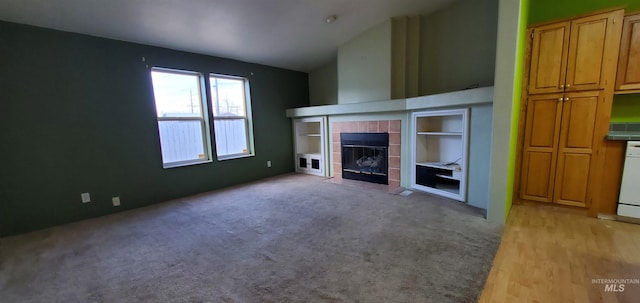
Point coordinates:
pixel 629 131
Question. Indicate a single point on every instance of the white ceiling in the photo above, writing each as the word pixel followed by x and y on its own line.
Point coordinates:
pixel 284 33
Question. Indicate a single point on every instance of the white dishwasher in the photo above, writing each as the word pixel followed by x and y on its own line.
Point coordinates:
pixel 629 202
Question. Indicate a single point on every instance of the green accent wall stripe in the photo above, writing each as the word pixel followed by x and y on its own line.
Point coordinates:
pixel 626 108
pixel 549 10
pixel 515 114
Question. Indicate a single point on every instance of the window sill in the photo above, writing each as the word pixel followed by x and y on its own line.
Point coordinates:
pixel 181 164
pixel 236 156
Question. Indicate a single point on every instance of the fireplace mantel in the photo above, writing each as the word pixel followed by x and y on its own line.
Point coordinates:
pixel 461 98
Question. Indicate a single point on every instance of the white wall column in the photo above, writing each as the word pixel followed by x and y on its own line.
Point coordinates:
pixel 506 54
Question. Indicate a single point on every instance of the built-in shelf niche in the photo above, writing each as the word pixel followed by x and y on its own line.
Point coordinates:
pixel 309 137
pixel 440 152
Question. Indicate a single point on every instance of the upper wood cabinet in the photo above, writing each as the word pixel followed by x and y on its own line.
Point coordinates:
pixel 629 59
pixel 549 58
pixel 575 55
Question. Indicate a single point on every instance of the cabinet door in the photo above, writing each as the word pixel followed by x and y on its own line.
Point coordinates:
pixel 549 58
pixel 593 49
pixel 576 157
pixel 302 163
pixel 539 156
pixel 629 60
pixel 315 164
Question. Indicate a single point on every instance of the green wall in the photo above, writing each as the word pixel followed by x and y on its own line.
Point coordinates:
pixel 626 108
pixel 78 116
pixel 549 10
pixel 364 66
pixel 323 84
pixel 458 46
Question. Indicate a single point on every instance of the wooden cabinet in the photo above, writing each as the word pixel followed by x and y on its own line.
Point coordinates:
pixel 540 149
pixel 576 157
pixel 574 55
pixel 440 152
pixel 549 58
pixel 611 181
pixel 310 145
pixel 558 152
pixel 571 71
pixel 629 60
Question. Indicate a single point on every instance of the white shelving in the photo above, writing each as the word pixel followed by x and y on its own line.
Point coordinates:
pixel 440 133
pixel 310 146
pixel 469 97
pixel 440 165
pixel 439 153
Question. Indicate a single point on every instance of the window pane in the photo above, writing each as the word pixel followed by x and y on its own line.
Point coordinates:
pixel 181 122
pixel 176 94
pixel 227 96
pixel 231 136
pixel 181 140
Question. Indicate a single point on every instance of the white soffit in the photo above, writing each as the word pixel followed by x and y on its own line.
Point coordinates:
pixel 462 98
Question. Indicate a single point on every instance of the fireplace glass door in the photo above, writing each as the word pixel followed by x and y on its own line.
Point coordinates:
pixel 364 156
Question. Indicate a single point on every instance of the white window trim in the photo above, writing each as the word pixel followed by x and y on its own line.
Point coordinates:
pixel 247 117
pixel 203 118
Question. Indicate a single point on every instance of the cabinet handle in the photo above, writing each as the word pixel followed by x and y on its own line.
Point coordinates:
pixel 566 99
pixel 568 85
pixel 560 99
pixel 562 86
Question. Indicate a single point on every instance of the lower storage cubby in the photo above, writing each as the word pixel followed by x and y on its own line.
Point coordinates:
pixel 438 178
pixel 309 163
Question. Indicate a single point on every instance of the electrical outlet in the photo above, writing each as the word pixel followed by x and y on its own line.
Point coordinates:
pixel 268 163
pixel 116 201
pixel 86 198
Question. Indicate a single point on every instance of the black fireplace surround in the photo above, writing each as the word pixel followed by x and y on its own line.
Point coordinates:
pixel 364 157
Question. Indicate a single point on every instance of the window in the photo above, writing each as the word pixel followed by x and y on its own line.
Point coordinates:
pixel 181 121
pixel 231 109
pixel 183 116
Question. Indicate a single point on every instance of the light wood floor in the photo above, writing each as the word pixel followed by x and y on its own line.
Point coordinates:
pixel 550 254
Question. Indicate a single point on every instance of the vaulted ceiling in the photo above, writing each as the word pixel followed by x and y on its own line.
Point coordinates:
pixel 291 34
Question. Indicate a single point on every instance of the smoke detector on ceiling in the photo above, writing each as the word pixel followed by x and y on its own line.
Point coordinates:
pixel 331 18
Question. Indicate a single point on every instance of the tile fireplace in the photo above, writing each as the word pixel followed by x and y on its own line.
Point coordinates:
pixel 373 159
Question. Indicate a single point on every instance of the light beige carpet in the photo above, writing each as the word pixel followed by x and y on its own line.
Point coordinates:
pixel 294 238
